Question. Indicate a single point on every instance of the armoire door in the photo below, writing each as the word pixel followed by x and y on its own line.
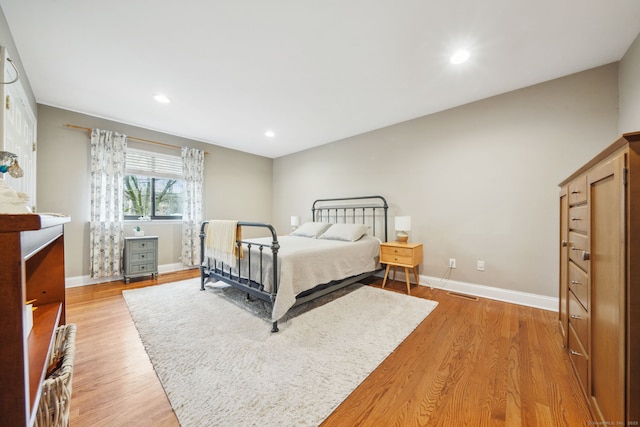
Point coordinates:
pixel 607 301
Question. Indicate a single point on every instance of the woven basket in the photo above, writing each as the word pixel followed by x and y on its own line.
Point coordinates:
pixel 53 410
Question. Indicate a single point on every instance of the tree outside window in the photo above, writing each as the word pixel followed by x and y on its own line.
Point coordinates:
pixel 152 197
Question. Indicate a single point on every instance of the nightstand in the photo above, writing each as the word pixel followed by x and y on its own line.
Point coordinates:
pixel 140 257
pixel 406 255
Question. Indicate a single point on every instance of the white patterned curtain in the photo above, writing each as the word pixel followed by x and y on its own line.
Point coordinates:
pixel 106 224
pixel 193 175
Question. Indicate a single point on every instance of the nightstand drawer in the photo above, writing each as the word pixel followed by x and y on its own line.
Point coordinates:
pixel 142 268
pixel 142 256
pixel 143 245
pixel 393 251
pixel 406 260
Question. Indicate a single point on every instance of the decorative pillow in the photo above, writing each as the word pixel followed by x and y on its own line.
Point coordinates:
pixel 311 229
pixel 345 232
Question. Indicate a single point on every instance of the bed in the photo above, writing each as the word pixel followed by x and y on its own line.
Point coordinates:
pixel 338 247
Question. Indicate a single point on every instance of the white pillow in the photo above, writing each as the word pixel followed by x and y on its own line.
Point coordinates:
pixel 310 229
pixel 345 232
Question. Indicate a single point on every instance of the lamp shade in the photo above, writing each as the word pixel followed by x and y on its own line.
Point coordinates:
pixel 403 223
pixel 295 221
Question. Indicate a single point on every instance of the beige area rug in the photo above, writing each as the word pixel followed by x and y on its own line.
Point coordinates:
pixel 221 366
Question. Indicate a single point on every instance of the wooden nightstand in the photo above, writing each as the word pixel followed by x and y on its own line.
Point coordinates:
pixel 396 254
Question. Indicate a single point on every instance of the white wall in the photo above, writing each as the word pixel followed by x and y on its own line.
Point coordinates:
pixel 479 181
pixel 629 88
pixel 63 183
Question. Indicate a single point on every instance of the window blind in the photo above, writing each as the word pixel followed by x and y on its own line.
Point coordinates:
pixel 139 162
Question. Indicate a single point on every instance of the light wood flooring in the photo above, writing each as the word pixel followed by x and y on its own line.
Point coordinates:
pixel 471 362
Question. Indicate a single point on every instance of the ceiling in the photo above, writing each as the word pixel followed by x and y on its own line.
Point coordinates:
pixel 313 72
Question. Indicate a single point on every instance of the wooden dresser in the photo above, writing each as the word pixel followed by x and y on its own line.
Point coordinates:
pixel 599 279
pixel 31 268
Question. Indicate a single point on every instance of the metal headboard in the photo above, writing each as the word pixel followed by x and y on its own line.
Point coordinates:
pixel 352 210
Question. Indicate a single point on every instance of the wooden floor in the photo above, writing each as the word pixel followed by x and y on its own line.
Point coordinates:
pixel 476 363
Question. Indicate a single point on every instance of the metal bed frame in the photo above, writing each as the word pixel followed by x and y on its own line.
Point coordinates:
pixel 351 210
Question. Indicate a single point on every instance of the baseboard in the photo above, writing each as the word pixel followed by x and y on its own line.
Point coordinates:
pixel 483 291
pixel 72 282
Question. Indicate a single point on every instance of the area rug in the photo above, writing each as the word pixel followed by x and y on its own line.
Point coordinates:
pixel 221 366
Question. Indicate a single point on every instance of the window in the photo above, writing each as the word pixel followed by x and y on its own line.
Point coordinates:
pixel 153 186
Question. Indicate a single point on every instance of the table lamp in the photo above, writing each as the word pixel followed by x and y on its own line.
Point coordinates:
pixel 403 224
pixel 295 222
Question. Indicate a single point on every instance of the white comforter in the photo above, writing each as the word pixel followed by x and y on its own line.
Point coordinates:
pixel 305 263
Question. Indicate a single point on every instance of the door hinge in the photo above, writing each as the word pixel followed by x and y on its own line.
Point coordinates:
pixel 7 102
pixel 625 175
pixel 33 147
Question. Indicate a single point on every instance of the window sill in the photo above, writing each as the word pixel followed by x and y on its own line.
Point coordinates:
pixel 153 222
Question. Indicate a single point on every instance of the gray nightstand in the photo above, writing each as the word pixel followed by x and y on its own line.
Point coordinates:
pixel 140 257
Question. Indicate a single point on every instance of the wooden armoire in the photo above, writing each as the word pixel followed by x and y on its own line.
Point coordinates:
pixel 599 279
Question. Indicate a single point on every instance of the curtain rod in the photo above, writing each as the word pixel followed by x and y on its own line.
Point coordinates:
pixel 148 141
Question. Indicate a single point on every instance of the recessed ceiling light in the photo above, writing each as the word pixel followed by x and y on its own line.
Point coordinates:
pixel 269 134
pixel 460 56
pixel 161 98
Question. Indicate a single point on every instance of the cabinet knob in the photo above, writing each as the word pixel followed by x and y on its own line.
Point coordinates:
pixel 576 282
pixel 575 353
pixel 575 316
pixel 585 255
pixel 565 243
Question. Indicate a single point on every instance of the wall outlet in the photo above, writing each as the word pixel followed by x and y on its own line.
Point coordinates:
pixel 480 265
pixel 452 263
